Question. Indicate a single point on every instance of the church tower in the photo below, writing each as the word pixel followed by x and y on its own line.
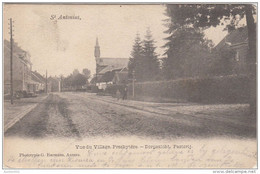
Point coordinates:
pixel 97 50
pixel 97 56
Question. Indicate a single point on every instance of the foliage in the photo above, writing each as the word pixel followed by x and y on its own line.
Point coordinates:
pixel 226 89
pixel 205 15
pixel 136 57
pixel 79 80
pixel 67 81
pixel 185 26
pixel 222 62
pixel 144 60
pixel 86 72
pixel 188 54
pixel 75 72
pixel 202 16
pixel 151 65
pixel 75 80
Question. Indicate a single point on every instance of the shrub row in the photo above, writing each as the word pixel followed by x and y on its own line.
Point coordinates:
pixel 222 89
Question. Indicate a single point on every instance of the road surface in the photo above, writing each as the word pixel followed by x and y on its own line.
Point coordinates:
pixel 81 115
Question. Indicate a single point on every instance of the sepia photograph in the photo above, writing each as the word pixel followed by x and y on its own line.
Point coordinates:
pixel 129 86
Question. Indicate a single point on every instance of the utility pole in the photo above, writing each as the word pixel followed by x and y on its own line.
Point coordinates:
pixel 61 84
pixel 133 83
pixel 11 59
pixel 96 76
pixel 46 83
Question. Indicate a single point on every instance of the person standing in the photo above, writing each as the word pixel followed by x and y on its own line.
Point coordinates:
pixel 125 92
pixel 118 94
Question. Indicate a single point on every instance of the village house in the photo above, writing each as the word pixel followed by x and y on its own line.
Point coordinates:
pixel 237 41
pixel 40 82
pixel 109 70
pixel 22 67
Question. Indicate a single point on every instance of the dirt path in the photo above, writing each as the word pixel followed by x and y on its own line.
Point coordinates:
pixel 49 118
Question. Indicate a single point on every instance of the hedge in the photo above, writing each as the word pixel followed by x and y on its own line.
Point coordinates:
pixel 221 89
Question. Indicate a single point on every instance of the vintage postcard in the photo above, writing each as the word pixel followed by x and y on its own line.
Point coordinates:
pixel 165 86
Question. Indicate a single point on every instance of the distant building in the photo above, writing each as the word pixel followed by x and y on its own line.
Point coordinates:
pixel 121 77
pixel 106 68
pixel 22 67
pixel 237 40
pixel 54 84
pixel 40 82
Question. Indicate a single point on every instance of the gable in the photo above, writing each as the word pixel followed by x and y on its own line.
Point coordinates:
pixel 38 76
pixel 107 77
pixel 235 37
pixel 120 77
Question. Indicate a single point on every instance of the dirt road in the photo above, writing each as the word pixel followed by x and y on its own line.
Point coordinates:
pixel 82 115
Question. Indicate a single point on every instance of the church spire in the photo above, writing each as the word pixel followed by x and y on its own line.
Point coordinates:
pixel 97 42
pixel 97 50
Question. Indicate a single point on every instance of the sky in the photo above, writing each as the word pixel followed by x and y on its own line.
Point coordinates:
pixel 60 46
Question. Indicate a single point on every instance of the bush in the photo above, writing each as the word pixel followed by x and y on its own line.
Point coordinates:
pixel 227 89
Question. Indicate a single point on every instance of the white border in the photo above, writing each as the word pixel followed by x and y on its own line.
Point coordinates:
pixel 117 171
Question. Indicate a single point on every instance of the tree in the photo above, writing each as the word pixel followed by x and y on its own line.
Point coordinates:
pixel 187 54
pixel 86 72
pixel 75 72
pixel 222 62
pixel 67 82
pixel 136 59
pixel 150 58
pixel 206 15
pixel 79 80
pixel 74 81
pixel 143 59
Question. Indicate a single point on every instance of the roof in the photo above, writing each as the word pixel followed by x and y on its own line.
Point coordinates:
pixel 33 82
pixel 93 80
pixel 234 37
pixel 104 61
pixel 16 48
pixel 111 68
pixel 37 77
pixel 107 77
pixel 7 52
pixel 121 77
pixel 110 76
pixel 111 64
pixel 53 79
pixel 17 52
